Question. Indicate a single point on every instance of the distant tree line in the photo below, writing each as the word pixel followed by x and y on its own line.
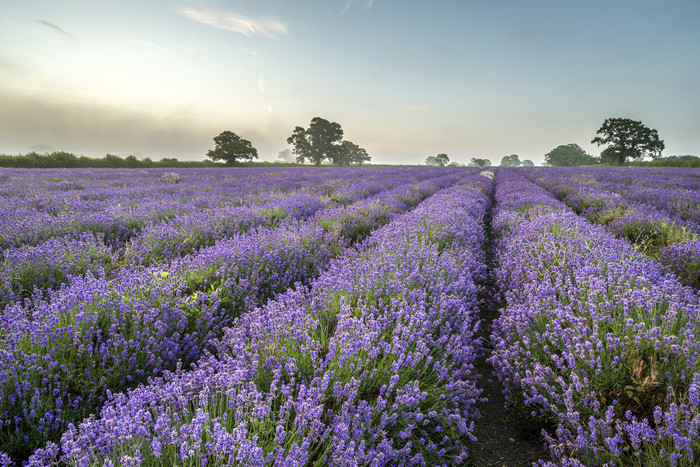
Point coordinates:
pixel 671 161
pixel 628 141
pixel 322 141
pixel 62 159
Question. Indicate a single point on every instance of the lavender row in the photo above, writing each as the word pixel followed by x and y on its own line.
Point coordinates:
pixel 594 338
pixel 374 365
pixel 652 230
pixel 673 190
pixel 61 356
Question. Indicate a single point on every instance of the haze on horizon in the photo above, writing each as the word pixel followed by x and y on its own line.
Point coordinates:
pixel 405 79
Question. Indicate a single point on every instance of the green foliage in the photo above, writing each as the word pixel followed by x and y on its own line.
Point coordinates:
pixel 442 159
pixel 627 139
pixel 475 162
pixel 230 147
pixel 511 161
pixel 671 161
pixel 351 153
pixel 569 155
pixel 322 140
pixel 651 236
pixel 61 159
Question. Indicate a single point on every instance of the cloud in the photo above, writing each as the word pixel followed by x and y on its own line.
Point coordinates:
pixel 54 27
pixel 235 22
pixel 261 83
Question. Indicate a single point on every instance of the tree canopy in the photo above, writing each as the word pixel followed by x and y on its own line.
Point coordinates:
pixel 476 162
pixel 351 153
pixel 511 161
pixel 322 140
pixel 230 147
pixel 569 155
pixel 627 139
pixel 441 160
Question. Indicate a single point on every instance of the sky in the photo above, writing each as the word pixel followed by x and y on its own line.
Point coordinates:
pixel 404 78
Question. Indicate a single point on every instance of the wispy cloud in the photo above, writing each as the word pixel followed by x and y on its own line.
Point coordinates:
pixel 54 27
pixel 348 3
pixel 261 83
pixel 235 22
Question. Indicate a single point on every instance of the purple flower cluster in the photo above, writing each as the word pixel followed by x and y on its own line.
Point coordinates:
pixel 594 338
pixel 372 365
pixel 683 259
pixel 26 270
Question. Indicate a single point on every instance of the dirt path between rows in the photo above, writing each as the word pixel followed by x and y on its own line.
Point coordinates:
pixel 505 436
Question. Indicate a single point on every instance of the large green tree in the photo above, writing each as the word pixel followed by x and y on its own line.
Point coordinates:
pixel 442 159
pixel 511 161
pixel 569 155
pixel 322 140
pixel 627 139
pixel 230 148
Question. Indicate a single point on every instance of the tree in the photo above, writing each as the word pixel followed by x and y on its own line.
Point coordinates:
pixel 569 155
pixel 131 161
pixel 230 147
pixel 475 162
pixel 285 156
pixel 351 153
pixel 511 161
pixel 627 139
pixel 322 140
pixel 442 159
pixel 528 163
pixel 431 161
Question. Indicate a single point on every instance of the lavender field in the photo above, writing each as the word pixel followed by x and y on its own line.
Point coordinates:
pixel 338 316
